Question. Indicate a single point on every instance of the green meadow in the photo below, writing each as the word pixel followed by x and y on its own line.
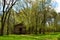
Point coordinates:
pixel 55 36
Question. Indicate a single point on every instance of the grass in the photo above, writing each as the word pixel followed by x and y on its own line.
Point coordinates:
pixel 31 37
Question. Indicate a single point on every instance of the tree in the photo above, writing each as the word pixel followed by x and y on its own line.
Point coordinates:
pixel 33 15
pixel 6 13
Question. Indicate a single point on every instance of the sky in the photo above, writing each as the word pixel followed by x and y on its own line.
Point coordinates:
pixel 19 5
pixel 55 4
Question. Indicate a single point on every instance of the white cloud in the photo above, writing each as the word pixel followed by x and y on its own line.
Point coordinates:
pixel 58 7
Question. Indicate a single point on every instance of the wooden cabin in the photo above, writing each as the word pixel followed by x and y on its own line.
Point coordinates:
pixel 19 29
